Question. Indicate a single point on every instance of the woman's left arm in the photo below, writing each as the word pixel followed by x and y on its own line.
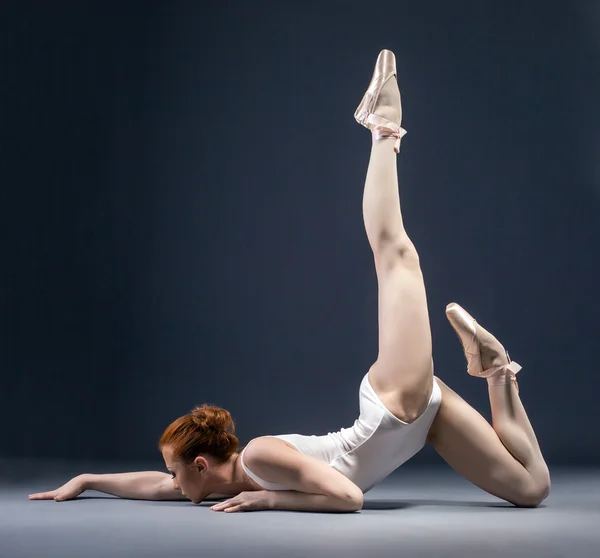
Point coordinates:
pixel 313 485
pixel 286 500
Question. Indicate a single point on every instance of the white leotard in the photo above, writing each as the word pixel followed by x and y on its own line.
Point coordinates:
pixel 367 452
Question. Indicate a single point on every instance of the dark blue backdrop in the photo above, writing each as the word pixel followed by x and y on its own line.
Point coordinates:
pixel 181 211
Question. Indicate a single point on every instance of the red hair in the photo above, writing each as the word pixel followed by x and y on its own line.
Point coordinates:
pixel 206 429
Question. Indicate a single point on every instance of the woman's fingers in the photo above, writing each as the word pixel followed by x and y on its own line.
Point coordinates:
pixel 221 505
pixel 67 491
pixel 230 506
pixel 43 495
pixel 226 505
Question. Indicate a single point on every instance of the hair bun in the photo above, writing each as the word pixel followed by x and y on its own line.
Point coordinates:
pixel 206 429
pixel 211 417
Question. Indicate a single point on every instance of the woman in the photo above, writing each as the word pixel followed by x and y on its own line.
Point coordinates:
pixel 402 404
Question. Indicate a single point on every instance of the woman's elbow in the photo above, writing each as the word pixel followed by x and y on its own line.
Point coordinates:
pixel 354 499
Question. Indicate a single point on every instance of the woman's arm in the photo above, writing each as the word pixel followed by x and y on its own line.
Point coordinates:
pixel 301 501
pixel 285 500
pixel 314 485
pixel 145 485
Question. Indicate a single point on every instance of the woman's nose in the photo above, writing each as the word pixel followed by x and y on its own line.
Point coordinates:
pixel 175 485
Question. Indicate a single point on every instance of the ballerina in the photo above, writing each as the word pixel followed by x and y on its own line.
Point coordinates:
pixel 402 404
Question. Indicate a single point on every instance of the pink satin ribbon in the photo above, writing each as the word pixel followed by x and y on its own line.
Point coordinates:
pixel 500 375
pixel 383 129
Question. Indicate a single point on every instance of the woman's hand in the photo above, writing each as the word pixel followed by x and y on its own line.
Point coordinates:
pixel 245 501
pixel 67 491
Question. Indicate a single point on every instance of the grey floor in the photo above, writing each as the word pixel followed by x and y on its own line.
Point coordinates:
pixel 414 513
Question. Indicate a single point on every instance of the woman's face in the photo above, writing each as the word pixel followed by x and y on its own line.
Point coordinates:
pixel 188 478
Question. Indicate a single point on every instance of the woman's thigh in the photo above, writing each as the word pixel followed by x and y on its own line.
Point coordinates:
pixel 403 374
pixel 469 444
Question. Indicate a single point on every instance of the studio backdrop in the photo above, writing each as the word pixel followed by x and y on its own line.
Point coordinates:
pixel 182 223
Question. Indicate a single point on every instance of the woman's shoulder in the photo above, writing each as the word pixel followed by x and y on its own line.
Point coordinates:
pixel 265 448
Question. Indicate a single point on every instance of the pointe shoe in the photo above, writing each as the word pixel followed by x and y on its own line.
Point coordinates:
pixel 465 327
pixel 385 69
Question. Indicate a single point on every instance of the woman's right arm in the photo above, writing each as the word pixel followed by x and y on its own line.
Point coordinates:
pixel 145 485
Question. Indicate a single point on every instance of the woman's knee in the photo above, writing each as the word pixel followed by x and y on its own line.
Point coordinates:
pixel 395 251
pixel 533 493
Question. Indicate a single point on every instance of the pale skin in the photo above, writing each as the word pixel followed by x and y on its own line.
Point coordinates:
pixel 503 459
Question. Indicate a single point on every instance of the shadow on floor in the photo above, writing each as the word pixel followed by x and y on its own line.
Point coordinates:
pixel 368 505
pixel 404 504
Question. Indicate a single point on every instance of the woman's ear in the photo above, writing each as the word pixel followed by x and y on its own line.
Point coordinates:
pixel 201 463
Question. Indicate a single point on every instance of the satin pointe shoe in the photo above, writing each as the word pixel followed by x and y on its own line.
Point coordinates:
pixel 385 69
pixel 465 327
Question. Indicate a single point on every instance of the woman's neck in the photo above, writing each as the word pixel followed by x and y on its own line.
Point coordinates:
pixel 233 478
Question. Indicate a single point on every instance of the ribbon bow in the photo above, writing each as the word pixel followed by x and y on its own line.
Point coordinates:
pixel 383 129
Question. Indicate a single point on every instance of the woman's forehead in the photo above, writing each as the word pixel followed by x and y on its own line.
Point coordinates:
pixel 168 455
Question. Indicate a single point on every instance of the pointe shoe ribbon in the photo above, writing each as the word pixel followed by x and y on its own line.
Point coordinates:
pixel 512 367
pixel 465 326
pixel 382 128
pixel 501 375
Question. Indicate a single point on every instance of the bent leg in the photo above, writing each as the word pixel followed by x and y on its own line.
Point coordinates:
pixel 402 376
pixel 511 423
pixel 491 461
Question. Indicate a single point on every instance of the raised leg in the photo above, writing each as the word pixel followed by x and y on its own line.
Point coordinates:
pixel 402 376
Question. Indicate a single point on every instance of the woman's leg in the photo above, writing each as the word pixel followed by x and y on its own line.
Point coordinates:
pixel 402 376
pixel 511 423
pixel 505 460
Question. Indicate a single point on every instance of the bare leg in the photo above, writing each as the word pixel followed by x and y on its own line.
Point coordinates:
pixel 402 376
pixel 511 423
pixel 473 449
pixel 505 460
pixel 509 419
